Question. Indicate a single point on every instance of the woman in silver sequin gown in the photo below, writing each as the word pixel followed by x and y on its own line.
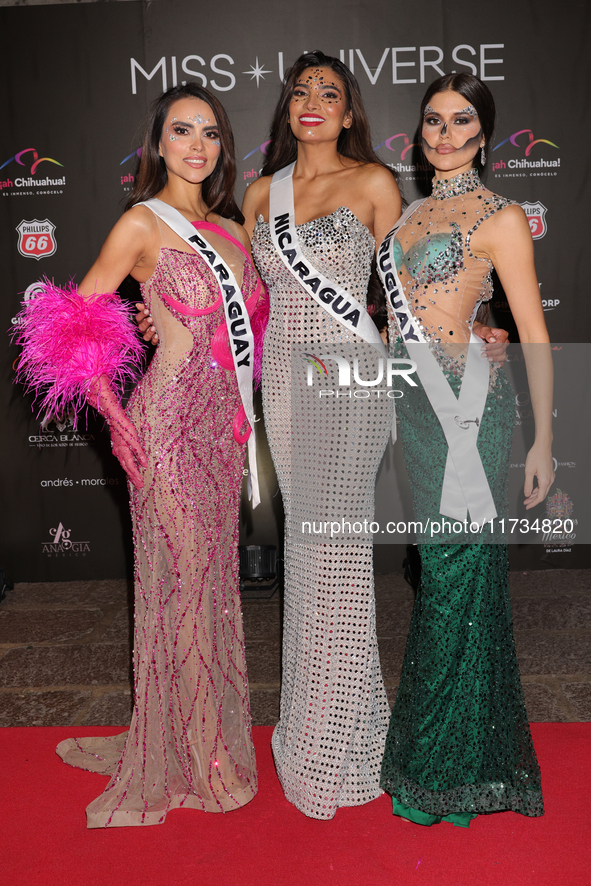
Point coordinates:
pixel 329 741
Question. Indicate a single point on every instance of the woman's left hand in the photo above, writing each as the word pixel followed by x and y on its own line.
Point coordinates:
pixel 496 342
pixel 146 324
pixel 538 464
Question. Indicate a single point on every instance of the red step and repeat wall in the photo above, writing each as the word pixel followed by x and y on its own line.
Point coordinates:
pixel 77 80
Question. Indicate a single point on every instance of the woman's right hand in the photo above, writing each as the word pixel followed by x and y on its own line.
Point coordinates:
pixel 125 441
pixel 146 324
pixel 128 449
pixel 538 464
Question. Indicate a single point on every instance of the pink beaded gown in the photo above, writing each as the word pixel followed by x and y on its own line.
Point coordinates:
pixel 189 743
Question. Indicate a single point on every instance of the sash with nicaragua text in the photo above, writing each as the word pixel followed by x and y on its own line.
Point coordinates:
pixel 335 300
pixel 465 487
pixel 237 321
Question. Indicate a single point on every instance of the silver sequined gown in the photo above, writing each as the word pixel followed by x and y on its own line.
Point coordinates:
pixel 189 743
pixel 329 741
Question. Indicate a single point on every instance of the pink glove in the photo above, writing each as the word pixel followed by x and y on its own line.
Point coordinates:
pixel 124 438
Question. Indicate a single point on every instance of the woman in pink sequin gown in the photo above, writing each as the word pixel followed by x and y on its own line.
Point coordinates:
pixel 189 743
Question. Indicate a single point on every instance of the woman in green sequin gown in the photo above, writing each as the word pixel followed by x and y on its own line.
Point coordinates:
pixel 459 742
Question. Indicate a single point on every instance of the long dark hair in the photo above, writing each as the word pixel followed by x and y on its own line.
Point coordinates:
pixel 218 188
pixel 476 93
pixel 354 142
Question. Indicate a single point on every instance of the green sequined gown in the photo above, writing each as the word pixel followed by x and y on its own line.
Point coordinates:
pixel 458 742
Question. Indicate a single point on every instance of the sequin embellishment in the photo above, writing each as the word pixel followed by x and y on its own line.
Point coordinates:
pixel 334 712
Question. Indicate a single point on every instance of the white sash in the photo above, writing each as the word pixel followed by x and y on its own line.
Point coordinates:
pixel 465 487
pixel 237 321
pixel 335 300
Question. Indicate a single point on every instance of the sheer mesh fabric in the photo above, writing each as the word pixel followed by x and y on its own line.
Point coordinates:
pixel 443 281
pixel 189 743
pixel 329 741
pixel 459 739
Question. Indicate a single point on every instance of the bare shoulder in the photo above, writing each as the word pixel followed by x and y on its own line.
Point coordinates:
pixel 378 181
pixel 376 173
pixel 139 222
pixel 260 186
pixel 511 216
pixel 257 195
pixel 507 224
pixel 505 232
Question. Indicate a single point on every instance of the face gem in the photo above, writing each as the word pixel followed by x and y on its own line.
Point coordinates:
pixel 317 80
pixel 469 109
pixel 199 120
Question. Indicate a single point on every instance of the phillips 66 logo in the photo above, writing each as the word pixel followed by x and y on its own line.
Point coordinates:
pixel 36 239
pixel 536 216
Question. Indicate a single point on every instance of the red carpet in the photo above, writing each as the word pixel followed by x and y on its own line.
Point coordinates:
pixel 43 837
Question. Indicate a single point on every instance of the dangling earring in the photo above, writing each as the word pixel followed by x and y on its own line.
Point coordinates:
pixel 482 155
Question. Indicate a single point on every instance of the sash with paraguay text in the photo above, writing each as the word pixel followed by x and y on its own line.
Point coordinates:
pixel 237 321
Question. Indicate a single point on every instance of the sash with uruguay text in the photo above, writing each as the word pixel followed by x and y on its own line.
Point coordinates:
pixel 465 487
pixel 237 321
pixel 335 300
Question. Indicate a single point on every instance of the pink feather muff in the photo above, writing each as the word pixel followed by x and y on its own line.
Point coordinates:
pixel 68 340
pixel 258 311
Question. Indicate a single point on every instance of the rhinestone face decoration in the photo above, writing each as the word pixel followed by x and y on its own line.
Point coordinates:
pixel 327 89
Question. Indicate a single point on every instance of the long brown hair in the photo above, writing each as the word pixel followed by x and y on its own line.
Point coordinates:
pixel 354 142
pixel 218 188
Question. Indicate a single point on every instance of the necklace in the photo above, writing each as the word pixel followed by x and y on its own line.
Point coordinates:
pixel 455 187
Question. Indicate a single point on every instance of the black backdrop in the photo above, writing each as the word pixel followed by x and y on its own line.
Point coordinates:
pixel 77 81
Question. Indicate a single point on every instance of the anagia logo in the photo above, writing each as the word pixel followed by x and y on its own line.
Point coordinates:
pixel 36 238
pixel 35 159
pixel 62 544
